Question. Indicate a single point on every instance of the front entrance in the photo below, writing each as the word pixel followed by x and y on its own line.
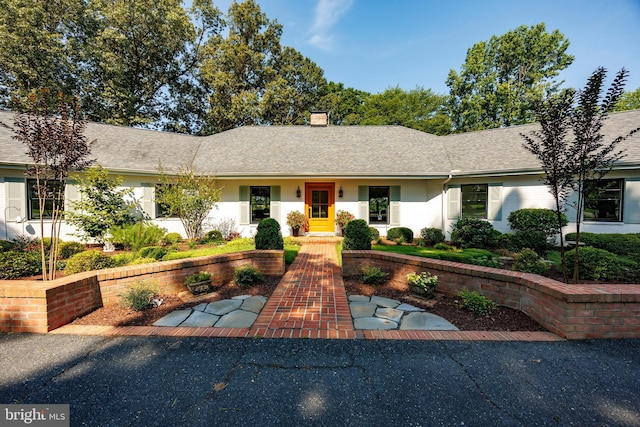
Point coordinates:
pixel 319 206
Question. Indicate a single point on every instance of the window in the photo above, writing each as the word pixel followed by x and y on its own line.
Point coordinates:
pixel 378 205
pixel 260 203
pixel 33 202
pixel 474 200
pixel 603 200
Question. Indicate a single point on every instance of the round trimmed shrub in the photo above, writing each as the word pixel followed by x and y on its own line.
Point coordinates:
pixel 431 236
pixel 172 238
pixel 597 264
pixel 213 236
pixel 535 240
pixel 357 236
pixel 268 235
pixel 88 261
pixel 375 234
pixel 528 261
pixel 543 220
pixel 15 264
pixel 402 233
pixel 474 233
pixel 69 249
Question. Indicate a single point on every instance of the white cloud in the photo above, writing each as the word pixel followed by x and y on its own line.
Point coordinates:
pixel 327 14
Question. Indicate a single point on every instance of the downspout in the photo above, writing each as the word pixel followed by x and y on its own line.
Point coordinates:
pixel 444 184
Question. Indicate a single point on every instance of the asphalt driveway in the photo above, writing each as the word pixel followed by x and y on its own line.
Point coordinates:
pixel 170 381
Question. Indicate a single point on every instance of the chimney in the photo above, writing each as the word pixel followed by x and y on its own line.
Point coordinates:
pixel 319 118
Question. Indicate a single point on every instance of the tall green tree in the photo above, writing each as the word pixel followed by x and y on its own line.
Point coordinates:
pixel 419 109
pixel 251 79
pixel 503 77
pixel 630 100
pixel 345 104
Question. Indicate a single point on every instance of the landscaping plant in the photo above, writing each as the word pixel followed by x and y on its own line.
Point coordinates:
pixel 268 235
pixel 474 233
pixel 140 295
pixel 424 281
pixel 343 218
pixel 372 275
pixel 477 303
pixel 431 236
pixel 198 277
pixel 401 234
pixel 528 261
pixel 88 261
pixel 247 275
pixel 357 236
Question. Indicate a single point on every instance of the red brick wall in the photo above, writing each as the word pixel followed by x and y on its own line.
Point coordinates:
pixel 36 306
pixel 570 311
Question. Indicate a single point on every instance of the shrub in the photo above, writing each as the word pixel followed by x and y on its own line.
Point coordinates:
pixel 402 233
pixel 445 247
pixel 598 264
pixel 621 244
pixel 474 233
pixel 15 264
pixel 375 234
pixel 535 240
pixel 26 243
pixel 144 260
pixel 424 281
pixel 172 238
pixel 269 235
pixel 357 236
pixel 88 261
pixel 212 236
pixel 486 261
pixel 137 236
pixel 155 252
pixel 343 218
pixel 543 220
pixel 431 236
pixel 372 275
pixel 476 303
pixel 226 226
pixel 198 277
pixel 5 245
pixel 123 259
pixel 140 295
pixel 528 261
pixel 296 220
pixel 69 249
pixel 247 275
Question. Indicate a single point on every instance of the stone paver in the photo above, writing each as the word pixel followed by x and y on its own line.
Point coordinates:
pixel 385 302
pixel 253 304
pixel 425 321
pixel 390 314
pixel 377 323
pixel 200 319
pixel 223 307
pixel 237 319
pixel 362 309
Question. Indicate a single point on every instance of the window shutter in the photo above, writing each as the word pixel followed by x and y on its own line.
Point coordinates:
pixel 394 205
pixel 275 209
pixel 630 212
pixel 454 195
pixel 15 196
pixel 363 202
pixel 72 194
pixel 245 207
pixel 148 202
pixel 494 208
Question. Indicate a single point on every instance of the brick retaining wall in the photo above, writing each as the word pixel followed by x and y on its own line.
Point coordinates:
pixel 36 306
pixel 570 311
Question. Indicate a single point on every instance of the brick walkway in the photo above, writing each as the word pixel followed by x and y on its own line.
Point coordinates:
pixel 309 302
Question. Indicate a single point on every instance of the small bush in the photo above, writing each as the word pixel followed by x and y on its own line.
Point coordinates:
pixel 247 275
pixel 372 275
pixel 69 249
pixel 155 252
pixel 357 236
pixel 486 261
pixel 403 234
pixel 88 261
pixel 474 233
pixel 424 281
pixel 528 261
pixel 198 277
pixel 123 259
pixel 375 234
pixel 268 235
pixel 535 240
pixel 476 303
pixel 137 236
pixel 15 264
pixel 543 220
pixel 26 243
pixel 212 236
pixel 431 236
pixel 598 264
pixel 172 238
pixel 144 260
pixel 140 295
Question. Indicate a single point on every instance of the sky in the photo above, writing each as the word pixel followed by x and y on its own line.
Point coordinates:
pixel 372 45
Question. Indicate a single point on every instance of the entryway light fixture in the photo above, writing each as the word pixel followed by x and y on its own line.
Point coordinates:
pixel 340 192
pixel 298 193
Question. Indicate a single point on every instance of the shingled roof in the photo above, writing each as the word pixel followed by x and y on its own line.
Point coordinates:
pixel 333 151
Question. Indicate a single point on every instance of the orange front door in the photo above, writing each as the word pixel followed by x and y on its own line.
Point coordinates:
pixel 319 205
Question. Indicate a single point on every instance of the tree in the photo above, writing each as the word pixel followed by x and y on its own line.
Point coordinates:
pixel 569 164
pixel 503 77
pixel 628 101
pixel 188 195
pixel 102 206
pixel 345 105
pixel 250 79
pixel 419 109
pixel 57 146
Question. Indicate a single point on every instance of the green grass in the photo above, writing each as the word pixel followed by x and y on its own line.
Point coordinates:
pixel 291 250
pixel 464 255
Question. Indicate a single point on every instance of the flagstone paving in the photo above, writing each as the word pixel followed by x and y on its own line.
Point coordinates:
pixel 309 302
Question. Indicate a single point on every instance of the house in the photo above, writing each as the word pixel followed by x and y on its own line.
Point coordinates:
pixel 388 175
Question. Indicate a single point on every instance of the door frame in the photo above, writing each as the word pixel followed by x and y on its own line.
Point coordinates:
pixel 330 227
